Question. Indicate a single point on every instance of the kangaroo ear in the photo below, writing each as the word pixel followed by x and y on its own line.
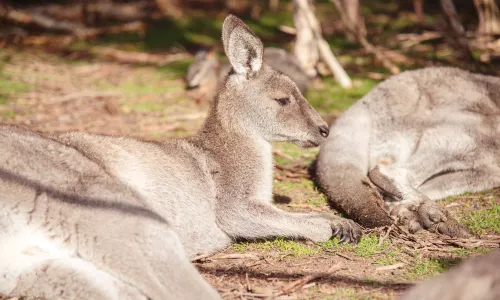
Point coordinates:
pixel 243 48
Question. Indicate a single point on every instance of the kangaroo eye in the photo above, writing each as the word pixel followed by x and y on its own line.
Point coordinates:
pixel 283 101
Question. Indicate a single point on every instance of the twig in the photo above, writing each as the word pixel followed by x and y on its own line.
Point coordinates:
pixel 382 239
pixel 200 257
pixel 82 34
pixel 237 256
pixel 282 155
pixel 282 178
pixel 137 57
pixel 23 17
pixel 410 39
pixel 391 267
pixel 297 284
pixel 287 29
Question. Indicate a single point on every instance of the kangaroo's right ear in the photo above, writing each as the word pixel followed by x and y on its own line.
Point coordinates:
pixel 243 48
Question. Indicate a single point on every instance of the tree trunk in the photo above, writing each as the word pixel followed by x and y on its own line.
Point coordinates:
pixel 351 17
pixel 454 21
pixel 418 6
pixel 310 46
pixel 489 17
pixel 306 49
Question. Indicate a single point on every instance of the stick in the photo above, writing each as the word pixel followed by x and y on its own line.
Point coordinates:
pixel 138 57
pixel 391 267
pixel 382 239
pixel 297 284
pixel 19 16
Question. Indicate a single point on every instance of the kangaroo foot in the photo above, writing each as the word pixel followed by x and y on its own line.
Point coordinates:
pixel 428 215
pixel 437 219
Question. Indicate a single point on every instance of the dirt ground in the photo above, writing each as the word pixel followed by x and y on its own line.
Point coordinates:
pixel 47 93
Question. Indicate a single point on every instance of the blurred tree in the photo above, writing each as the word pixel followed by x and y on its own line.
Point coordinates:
pixel 489 17
pixel 418 6
pixel 310 46
pixel 357 31
pixel 457 27
pixel 350 13
pixel 171 8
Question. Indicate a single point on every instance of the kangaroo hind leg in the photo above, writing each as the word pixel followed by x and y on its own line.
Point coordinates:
pixel 72 278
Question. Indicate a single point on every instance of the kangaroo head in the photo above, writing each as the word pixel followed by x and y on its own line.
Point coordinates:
pixel 202 69
pixel 257 100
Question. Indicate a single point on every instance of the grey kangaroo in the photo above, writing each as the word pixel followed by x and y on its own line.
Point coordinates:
pixel 206 72
pixel 419 136
pixel 475 279
pixel 87 216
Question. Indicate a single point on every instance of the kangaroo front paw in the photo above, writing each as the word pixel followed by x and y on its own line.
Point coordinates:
pixel 436 218
pixel 346 230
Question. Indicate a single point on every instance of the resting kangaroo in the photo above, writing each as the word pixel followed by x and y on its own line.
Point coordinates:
pixel 207 72
pixel 419 136
pixel 97 217
pixel 475 279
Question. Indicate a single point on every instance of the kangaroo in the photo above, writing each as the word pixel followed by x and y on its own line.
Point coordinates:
pixel 475 279
pixel 419 136
pixel 206 72
pixel 86 216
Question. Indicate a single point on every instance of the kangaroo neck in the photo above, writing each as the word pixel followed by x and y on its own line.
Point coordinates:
pixel 244 163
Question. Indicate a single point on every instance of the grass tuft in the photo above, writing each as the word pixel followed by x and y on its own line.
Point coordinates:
pixel 484 220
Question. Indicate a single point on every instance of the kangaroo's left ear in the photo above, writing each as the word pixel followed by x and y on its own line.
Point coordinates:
pixel 243 48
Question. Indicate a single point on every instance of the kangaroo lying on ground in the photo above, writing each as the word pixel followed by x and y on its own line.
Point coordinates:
pixel 475 279
pixel 419 136
pixel 86 216
pixel 206 72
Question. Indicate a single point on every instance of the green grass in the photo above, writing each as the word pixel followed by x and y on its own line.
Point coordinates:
pixel 464 253
pixel 368 246
pixel 176 69
pixel 332 97
pixel 289 186
pixel 9 114
pixel 429 267
pixel 484 220
pixel 334 244
pixel 285 247
pixel 385 261
pixel 9 87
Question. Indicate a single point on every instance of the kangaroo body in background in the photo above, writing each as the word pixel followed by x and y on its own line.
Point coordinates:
pixel 206 72
pixel 86 216
pixel 419 136
pixel 474 279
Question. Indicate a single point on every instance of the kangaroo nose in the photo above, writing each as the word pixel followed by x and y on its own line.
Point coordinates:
pixel 324 131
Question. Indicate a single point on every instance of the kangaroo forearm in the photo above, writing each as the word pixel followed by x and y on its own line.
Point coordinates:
pixel 254 220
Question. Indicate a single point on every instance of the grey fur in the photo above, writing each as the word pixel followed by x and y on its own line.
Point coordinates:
pixel 87 216
pixel 419 136
pixel 475 279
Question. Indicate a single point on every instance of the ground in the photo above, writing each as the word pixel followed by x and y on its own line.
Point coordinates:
pixel 61 92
